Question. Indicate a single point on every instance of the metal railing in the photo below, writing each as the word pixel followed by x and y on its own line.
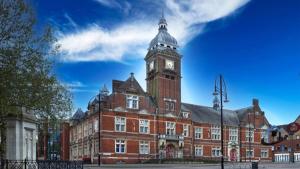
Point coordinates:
pixel 170 137
pixel 40 164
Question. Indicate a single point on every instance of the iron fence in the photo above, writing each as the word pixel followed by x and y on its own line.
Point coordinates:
pixel 40 164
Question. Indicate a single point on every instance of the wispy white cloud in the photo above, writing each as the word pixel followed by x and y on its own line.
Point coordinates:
pixel 74 84
pixel 70 21
pixel 130 39
pixel 122 5
pixel 110 3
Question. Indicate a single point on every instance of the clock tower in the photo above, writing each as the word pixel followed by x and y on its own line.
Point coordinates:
pixel 163 66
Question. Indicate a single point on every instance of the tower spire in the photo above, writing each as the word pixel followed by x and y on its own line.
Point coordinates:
pixel 162 22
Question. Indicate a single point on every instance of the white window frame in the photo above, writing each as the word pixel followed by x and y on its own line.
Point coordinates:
pixel 185 114
pixel 85 129
pixel 79 128
pixel 90 125
pixel 121 123
pixel 197 150
pixel 216 152
pixel 170 105
pixel 216 132
pixel 170 126
pixel 144 126
pixel 264 135
pixel 80 150
pixel 132 101
pixel 233 134
pixel 247 153
pixel 251 138
pixel 167 106
pixel 185 130
pixel 120 142
pixel 96 146
pixel 198 132
pixel 75 133
pixel 264 153
pixel 144 147
pixel 96 125
pixel 85 149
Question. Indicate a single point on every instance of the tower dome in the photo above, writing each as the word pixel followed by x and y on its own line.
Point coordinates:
pixel 163 39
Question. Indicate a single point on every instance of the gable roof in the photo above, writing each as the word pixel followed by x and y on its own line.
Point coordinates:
pixel 204 114
pixel 241 113
pixel 298 119
pixel 78 115
pixel 131 85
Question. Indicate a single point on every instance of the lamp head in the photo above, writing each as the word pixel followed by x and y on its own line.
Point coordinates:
pixel 226 99
pixel 215 93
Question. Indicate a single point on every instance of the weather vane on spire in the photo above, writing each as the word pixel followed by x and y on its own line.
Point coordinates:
pixel 162 22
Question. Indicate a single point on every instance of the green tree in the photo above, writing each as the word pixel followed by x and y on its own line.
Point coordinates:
pixel 27 81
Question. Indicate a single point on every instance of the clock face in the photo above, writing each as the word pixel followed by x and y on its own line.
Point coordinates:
pixel 151 65
pixel 169 64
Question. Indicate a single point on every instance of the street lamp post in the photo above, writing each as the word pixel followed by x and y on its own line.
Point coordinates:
pixel 222 92
pixel 99 130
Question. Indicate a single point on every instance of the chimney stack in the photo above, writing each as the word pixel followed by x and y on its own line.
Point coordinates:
pixel 255 102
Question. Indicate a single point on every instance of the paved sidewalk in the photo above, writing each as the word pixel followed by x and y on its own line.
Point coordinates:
pixel 192 166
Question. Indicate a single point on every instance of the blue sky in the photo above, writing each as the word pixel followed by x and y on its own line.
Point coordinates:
pixel 254 44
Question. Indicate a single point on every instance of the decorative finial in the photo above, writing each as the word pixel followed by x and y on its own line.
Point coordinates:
pixel 162 22
pixel 131 76
pixel 104 91
pixel 131 79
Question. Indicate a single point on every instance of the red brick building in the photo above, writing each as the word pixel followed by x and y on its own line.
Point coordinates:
pixel 289 149
pixel 64 141
pixel 138 125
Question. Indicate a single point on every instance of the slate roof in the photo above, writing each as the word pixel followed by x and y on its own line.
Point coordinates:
pixel 163 37
pixel 78 115
pixel 241 113
pixel 298 119
pixel 205 114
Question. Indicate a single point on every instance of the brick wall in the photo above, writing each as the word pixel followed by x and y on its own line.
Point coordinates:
pixel 64 140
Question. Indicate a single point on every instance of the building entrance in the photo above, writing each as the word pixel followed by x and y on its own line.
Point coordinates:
pixel 170 151
pixel 233 155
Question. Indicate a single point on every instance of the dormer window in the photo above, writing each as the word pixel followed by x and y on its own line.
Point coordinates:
pixel 185 114
pixel 170 105
pixel 132 102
